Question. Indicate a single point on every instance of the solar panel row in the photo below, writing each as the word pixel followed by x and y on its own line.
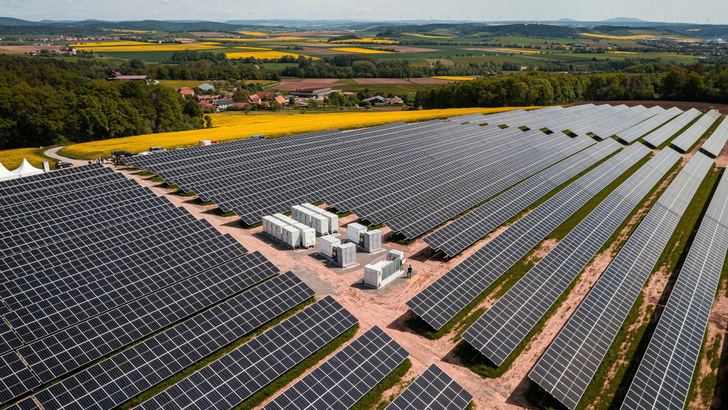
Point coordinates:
pixel 501 328
pixel 569 364
pixel 466 230
pixel 421 219
pixel 448 295
pixel 635 132
pixel 345 377
pixel 230 380
pixel 662 134
pixel 433 389
pixel 377 173
pixel 665 372
pixel 73 347
pixel 717 140
pixel 123 376
pixel 122 264
pixel 689 137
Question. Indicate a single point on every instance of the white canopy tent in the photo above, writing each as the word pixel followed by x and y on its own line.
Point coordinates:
pixel 26 170
pixel 5 174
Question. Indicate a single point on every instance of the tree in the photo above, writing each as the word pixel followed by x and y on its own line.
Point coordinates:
pixel 240 96
pixel 208 121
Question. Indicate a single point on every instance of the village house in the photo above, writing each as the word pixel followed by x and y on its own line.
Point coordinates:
pixel 186 91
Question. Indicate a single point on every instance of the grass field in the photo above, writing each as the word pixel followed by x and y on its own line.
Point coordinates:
pixel 232 126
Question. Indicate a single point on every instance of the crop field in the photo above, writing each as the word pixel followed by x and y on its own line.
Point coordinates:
pixel 12 158
pixel 359 50
pixel 231 126
pixel 261 54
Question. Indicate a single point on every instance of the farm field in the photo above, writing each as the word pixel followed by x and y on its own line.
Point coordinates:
pixel 231 126
pixel 12 158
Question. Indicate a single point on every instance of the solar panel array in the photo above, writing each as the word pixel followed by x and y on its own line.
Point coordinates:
pixel 662 134
pixel 502 327
pixel 378 173
pixel 466 230
pixel 635 132
pixel 602 121
pixel 92 263
pixel 433 389
pixel 552 149
pixel 717 140
pixel 124 375
pixel 448 295
pixel 569 364
pixel 666 369
pixel 235 377
pixel 687 139
pixel 345 377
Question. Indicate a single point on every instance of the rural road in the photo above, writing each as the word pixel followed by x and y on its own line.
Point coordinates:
pixel 53 153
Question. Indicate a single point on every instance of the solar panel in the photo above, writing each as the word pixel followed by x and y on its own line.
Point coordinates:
pixel 235 377
pixel 501 328
pixel 466 230
pixel 689 137
pixel 71 348
pixel 421 219
pixel 448 295
pixel 662 134
pixel 123 376
pixel 25 404
pixel 665 372
pixel 716 142
pixel 569 364
pixel 15 378
pixel 435 390
pixel 347 376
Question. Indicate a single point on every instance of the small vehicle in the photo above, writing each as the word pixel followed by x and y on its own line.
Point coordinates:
pixel 63 164
pixel 157 149
pixel 121 154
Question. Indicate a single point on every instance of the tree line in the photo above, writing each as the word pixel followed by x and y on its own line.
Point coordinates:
pixel 50 101
pixel 535 88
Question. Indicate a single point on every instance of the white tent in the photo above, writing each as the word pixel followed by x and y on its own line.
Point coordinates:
pixel 5 174
pixel 26 170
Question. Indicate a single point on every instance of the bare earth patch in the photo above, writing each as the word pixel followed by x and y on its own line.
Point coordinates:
pixel 307 83
pixel 381 81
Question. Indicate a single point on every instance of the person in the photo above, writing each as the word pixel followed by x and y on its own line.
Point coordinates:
pixel 409 271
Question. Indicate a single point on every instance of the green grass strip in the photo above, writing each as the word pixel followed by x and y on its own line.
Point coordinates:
pixel 371 399
pixel 297 371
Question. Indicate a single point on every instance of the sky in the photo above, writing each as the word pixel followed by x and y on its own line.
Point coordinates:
pixel 710 11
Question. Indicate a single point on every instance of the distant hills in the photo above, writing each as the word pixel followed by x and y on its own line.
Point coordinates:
pixel 558 28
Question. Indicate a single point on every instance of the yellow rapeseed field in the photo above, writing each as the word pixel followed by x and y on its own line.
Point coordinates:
pixel 148 47
pixel 253 48
pixel 12 158
pixel 518 50
pixel 360 50
pixel 445 77
pixel 426 36
pixel 237 125
pixel 621 52
pixel 252 33
pixel 262 54
pixel 367 40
